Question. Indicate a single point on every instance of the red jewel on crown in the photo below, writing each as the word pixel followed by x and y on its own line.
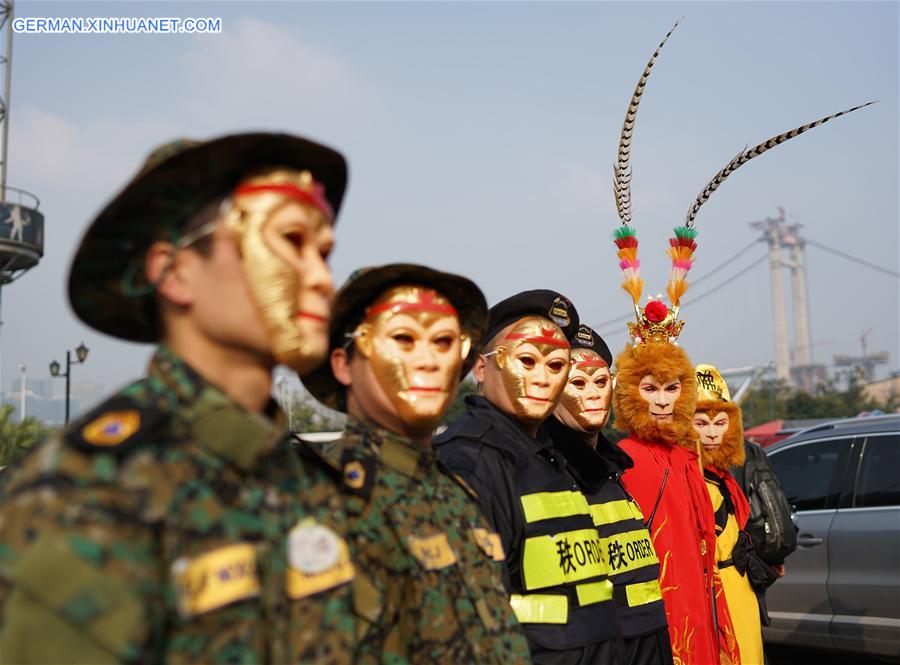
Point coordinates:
pixel 655 311
pixel 656 323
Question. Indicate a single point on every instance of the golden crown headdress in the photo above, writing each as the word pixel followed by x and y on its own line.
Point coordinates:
pixel 657 322
pixel 710 384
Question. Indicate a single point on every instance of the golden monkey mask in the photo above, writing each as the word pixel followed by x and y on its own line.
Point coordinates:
pixel 411 337
pixel 588 390
pixel 533 359
pixel 280 256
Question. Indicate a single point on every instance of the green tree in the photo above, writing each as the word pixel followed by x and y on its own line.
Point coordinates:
pixel 458 406
pixel 17 437
pixel 776 400
pixel 765 402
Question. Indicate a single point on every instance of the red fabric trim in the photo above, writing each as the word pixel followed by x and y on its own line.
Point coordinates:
pixel 741 505
pixel 411 307
pixel 315 199
pixel 552 341
pixel 591 363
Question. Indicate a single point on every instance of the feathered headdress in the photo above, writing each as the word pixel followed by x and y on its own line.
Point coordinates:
pixel 656 322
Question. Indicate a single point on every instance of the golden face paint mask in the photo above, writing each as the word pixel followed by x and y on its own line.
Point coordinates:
pixel 283 261
pixel 588 391
pixel 533 359
pixel 412 340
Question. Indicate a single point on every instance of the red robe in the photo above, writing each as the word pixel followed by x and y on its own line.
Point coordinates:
pixel 684 536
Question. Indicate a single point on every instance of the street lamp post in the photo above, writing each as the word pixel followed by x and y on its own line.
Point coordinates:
pixel 22 384
pixel 81 352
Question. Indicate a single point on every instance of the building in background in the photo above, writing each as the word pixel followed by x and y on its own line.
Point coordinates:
pixel 45 399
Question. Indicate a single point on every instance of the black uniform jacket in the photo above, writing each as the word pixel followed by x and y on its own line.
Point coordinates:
pixel 556 573
pixel 634 568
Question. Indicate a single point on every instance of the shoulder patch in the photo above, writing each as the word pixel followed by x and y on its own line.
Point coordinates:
pixel 116 426
pixel 354 473
pixel 112 428
pixel 358 474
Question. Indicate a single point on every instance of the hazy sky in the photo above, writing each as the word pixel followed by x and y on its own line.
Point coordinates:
pixel 481 138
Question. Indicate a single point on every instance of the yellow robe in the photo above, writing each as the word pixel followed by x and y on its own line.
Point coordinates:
pixel 742 603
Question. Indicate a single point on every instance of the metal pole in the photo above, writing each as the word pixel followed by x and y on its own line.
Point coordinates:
pixel 4 107
pixel 68 372
pixel 22 385
pixel 7 75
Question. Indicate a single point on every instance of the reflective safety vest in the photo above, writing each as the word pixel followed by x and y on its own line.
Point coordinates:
pixel 563 572
pixel 633 564
pixel 558 572
pixel 624 540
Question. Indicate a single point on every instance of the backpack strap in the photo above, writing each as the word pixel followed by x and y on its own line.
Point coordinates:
pixel 726 507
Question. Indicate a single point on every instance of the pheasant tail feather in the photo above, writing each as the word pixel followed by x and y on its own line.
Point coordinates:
pixel 746 155
pixel 622 167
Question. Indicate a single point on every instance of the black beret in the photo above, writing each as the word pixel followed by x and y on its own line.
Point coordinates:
pixel 539 302
pixel 364 286
pixel 586 338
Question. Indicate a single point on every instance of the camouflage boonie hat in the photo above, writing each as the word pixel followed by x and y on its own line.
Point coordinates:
pixel 364 286
pixel 177 180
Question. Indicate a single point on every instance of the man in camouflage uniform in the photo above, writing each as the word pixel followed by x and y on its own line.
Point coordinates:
pixel 173 523
pixel 428 585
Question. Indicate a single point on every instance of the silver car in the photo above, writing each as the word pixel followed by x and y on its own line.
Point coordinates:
pixel 842 585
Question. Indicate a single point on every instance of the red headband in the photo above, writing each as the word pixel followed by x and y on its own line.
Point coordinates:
pixel 598 362
pixel 411 307
pixel 425 303
pixel 315 198
pixel 543 339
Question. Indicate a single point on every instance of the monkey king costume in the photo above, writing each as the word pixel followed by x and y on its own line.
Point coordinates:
pixel 668 485
pixel 654 401
pixel 597 465
pixel 556 569
pixel 718 422
pixel 428 585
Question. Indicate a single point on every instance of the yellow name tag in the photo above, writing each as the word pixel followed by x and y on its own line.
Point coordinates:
pixel 489 543
pixel 433 552
pixel 629 550
pixel 318 559
pixel 215 579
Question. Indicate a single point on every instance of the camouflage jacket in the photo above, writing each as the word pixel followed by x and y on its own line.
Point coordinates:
pixel 166 526
pixel 428 586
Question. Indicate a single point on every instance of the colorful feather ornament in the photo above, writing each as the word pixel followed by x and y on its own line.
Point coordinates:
pixel 626 240
pixel 622 168
pixel 681 251
pixel 745 156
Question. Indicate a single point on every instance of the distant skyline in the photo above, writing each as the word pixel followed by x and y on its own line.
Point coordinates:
pixel 481 138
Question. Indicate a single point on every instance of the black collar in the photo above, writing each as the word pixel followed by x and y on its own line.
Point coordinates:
pixel 481 407
pixel 588 465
